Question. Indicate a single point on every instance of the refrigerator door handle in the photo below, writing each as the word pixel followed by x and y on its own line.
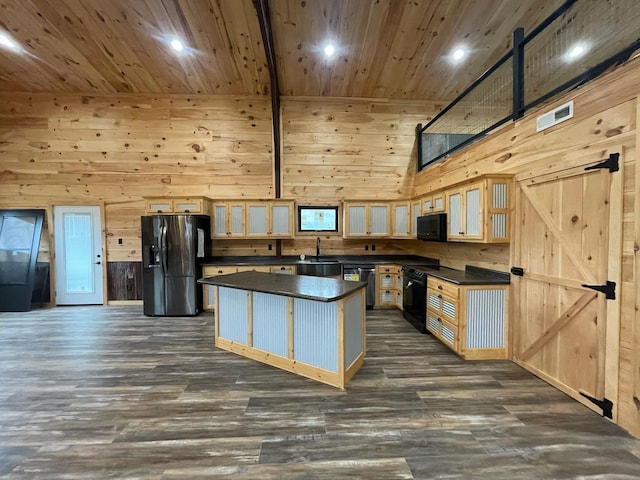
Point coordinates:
pixel 163 247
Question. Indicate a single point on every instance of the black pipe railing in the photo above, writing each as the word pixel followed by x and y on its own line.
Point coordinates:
pixel 486 104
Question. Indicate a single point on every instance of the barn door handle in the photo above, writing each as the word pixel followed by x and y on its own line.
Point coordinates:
pixel 609 289
pixel 519 271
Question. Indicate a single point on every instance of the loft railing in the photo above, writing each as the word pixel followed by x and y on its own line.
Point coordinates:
pixel 578 42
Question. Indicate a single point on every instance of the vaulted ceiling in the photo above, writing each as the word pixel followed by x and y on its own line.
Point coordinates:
pixel 397 49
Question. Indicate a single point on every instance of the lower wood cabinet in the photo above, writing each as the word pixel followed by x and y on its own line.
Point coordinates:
pixel 208 299
pixel 387 280
pixel 469 319
pixel 284 269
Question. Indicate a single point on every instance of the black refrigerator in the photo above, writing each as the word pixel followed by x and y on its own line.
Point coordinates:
pixel 173 249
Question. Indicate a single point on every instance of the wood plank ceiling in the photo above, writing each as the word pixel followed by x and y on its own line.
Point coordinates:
pixel 397 49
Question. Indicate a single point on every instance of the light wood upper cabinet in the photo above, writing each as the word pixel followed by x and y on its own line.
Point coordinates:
pixel 401 223
pixel 434 203
pixel 228 219
pixel 196 205
pixel 366 219
pixel 465 217
pixel 416 211
pixel 479 211
pixel 270 219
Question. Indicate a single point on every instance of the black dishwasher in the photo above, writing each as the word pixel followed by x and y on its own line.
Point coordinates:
pixel 363 273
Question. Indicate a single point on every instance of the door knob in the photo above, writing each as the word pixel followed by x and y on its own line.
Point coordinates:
pixel 97 263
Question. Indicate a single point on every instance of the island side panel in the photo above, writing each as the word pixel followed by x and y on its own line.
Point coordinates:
pixel 315 333
pixel 270 323
pixel 233 307
pixel 354 328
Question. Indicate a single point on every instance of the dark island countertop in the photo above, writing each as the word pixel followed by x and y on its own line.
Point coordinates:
pixel 299 286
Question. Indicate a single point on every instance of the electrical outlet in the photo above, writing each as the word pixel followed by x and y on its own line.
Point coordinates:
pixel 270 247
pixel 373 248
pixel 119 241
pixel 129 287
pixel 366 248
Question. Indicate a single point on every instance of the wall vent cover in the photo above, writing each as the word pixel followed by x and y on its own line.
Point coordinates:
pixel 555 116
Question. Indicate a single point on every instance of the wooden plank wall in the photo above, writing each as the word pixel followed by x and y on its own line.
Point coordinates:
pixel 345 148
pixel 115 150
pixel 606 115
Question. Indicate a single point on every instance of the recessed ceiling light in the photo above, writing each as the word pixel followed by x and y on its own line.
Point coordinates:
pixel 329 50
pixel 177 45
pixel 459 53
pixel 7 42
pixel 576 51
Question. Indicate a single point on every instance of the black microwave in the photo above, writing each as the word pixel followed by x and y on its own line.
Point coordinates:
pixel 433 227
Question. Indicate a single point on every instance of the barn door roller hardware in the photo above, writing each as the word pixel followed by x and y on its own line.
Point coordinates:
pixel 612 163
pixel 605 404
pixel 609 289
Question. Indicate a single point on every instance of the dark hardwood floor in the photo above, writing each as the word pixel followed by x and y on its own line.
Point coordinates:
pixel 97 393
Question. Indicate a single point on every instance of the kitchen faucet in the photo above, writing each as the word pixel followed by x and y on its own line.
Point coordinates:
pixel 318 247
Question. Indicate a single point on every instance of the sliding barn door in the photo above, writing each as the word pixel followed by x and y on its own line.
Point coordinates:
pixel 566 233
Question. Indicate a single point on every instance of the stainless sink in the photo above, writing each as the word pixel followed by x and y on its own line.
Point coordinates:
pixel 319 267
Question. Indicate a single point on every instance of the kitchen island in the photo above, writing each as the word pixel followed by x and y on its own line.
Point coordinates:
pixel 311 326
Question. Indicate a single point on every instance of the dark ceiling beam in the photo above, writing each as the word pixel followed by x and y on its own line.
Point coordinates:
pixel 264 19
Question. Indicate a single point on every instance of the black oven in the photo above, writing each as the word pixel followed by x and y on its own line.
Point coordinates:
pixel 414 297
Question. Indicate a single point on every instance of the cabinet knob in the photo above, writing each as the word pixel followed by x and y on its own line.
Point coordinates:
pixel 439 287
pixel 460 233
pixel 219 271
pixel 440 297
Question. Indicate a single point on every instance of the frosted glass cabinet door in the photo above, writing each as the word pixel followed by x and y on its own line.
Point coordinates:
pixel 401 224
pixel 455 210
pixel 280 220
pixel 379 220
pixel 416 211
pixel 357 220
pixel 472 212
pixel 257 219
pixel 237 220
pixel 220 220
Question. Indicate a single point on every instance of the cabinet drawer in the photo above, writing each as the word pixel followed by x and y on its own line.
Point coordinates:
pixel 445 331
pixel 445 306
pixel 284 270
pixel 210 271
pixel 446 288
pixel 254 268
pixel 449 334
pixel 388 269
pixel 387 281
pixel 387 297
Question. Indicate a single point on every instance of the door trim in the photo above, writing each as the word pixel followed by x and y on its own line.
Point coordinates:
pixel 52 248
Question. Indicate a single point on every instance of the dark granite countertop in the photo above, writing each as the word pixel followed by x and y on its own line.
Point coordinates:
pixel 469 276
pixel 344 259
pixel 300 286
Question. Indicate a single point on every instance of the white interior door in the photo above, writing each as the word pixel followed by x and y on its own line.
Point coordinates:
pixel 78 255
